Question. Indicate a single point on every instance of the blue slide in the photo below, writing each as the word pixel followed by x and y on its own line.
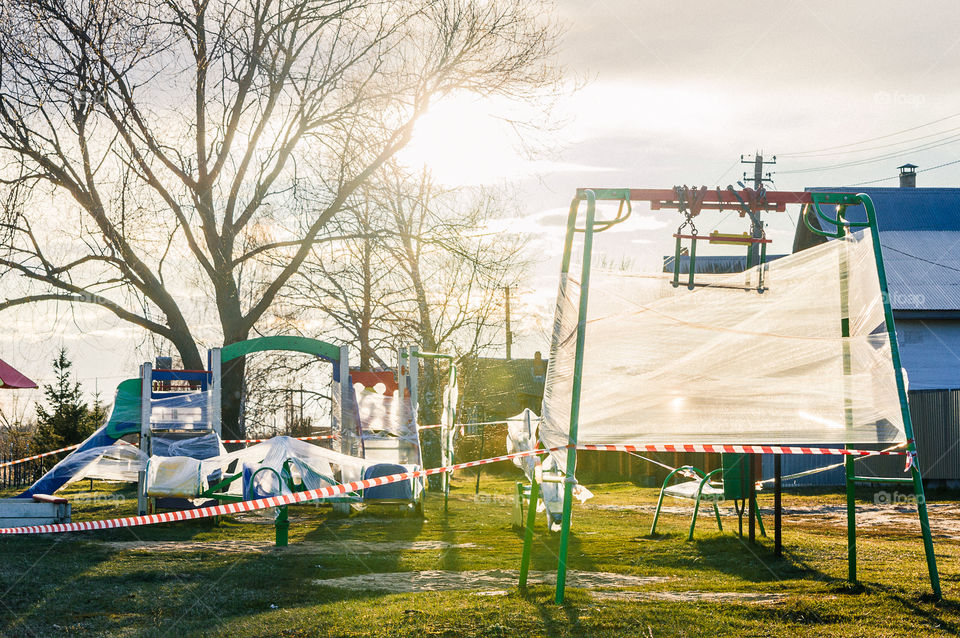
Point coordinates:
pixel 124 419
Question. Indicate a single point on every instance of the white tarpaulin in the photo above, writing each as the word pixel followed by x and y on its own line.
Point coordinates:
pixel 724 363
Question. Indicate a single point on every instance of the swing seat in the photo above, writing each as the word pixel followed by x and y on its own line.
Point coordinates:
pixel 734 486
pixel 708 491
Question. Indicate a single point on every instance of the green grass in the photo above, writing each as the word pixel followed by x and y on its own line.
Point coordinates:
pixel 76 585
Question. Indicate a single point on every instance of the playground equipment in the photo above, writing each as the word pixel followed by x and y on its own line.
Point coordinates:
pixel 180 461
pixel 735 487
pixel 448 410
pixel 798 351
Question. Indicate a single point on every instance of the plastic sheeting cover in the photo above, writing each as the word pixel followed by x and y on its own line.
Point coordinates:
pixel 522 437
pixel 382 413
pixel 118 462
pixel 186 411
pixel 726 364
pixel 310 466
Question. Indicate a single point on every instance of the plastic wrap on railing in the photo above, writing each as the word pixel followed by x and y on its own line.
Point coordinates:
pixel 185 411
pixel 304 465
pixel 448 415
pixel 385 414
pixel 522 437
pixel 189 444
pixel 118 462
pixel 346 420
pixel 724 363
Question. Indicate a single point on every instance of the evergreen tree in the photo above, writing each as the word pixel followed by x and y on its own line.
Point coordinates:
pixel 65 419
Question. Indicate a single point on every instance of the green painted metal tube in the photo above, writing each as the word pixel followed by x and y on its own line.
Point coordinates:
pixel 693 262
pixel 575 400
pixel 554 345
pixel 282 525
pixel 676 263
pixel 528 531
pixel 904 404
pixel 849 469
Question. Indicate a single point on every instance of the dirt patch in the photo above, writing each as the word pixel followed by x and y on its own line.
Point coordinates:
pixel 897 517
pixel 493 579
pixel 693 596
pixel 257 547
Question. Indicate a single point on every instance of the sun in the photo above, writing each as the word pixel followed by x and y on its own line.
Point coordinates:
pixel 463 142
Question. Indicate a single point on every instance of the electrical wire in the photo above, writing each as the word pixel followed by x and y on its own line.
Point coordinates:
pixel 892 177
pixel 881 146
pixel 872 160
pixel 871 139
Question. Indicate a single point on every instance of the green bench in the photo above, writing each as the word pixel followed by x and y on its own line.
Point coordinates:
pixel 733 484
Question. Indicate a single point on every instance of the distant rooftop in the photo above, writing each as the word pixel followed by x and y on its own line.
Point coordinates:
pixel 920 235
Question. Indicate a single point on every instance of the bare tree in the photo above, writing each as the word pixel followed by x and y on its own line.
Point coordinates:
pixel 422 265
pixel 156 151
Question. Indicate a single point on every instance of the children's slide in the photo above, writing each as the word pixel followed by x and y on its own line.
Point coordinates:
pixel 124 419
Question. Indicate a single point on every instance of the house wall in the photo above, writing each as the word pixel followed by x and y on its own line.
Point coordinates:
pixel 930 352
pixel 936 423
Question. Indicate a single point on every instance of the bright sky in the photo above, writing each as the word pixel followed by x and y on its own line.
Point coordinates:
pixel 672 93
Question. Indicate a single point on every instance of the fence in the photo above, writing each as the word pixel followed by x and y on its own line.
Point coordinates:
pixel 21 474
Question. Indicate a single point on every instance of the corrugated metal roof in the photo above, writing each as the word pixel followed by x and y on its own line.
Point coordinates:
pixel 920 235
pixel 923 268
pixel 907 208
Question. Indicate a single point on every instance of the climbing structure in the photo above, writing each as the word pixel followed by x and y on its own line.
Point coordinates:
pixel 800 351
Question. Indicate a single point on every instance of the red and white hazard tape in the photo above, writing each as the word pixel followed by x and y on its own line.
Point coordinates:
pixel 258 504
pixel 740 449
pixel 324 437
pixel 39 456
pixel 334 490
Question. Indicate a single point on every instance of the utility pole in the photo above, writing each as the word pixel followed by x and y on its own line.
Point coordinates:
pixel 758 181
pixel 753 258
pixel 758 162
pixel 509 333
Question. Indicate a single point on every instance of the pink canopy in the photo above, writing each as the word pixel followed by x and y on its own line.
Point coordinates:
pixel 10 378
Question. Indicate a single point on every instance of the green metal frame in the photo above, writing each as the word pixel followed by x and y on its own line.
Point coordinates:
pixel 305 345
pixel 837 227
pixel 840 227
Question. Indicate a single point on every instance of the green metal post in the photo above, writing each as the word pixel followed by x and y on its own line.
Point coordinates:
pixel 554 345
pixel 904 405
pixel 693 262
pixel 575 400
pixel 849 468
pixel 528 530
pixel 676 263
pixel 282 525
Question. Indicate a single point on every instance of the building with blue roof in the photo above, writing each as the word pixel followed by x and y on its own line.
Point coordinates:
pixel 920 235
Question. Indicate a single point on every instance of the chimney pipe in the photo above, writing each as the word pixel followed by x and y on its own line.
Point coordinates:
pixel 908 176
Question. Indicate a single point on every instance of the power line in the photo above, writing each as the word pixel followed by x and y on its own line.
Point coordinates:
pixel 918 258
pixel 871 139
pixel 887 179
pixel 879 158
pixel 874 148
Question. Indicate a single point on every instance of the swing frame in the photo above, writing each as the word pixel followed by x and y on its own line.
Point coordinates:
pixel 750 201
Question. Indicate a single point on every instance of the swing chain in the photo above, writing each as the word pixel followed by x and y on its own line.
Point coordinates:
pixel 682 208
pixel 756 226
